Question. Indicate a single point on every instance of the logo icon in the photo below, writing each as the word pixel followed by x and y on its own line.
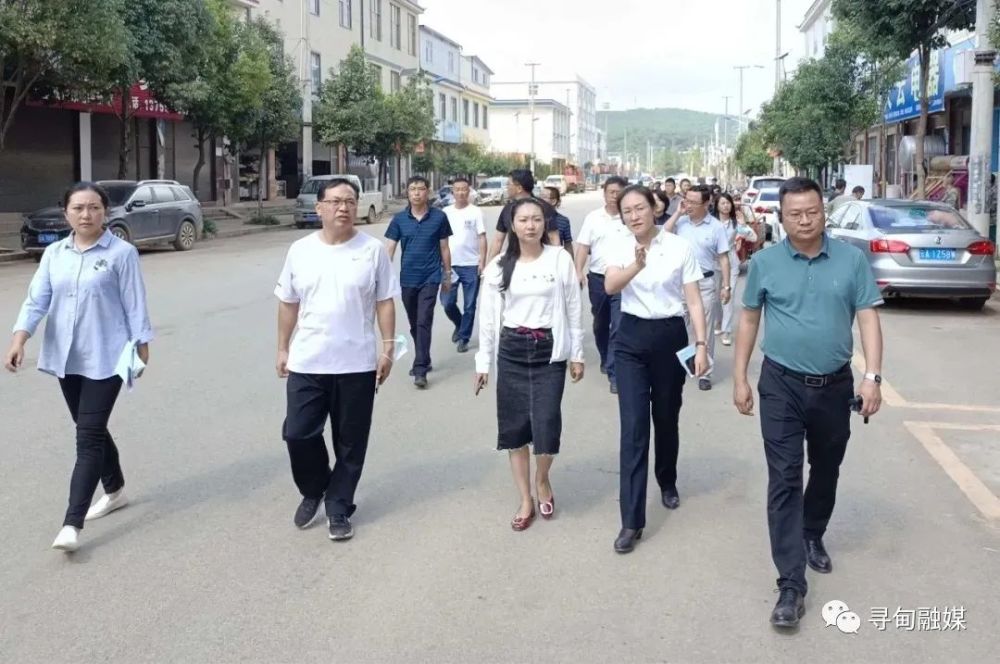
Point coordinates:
pixel 837 614
pixel 937 240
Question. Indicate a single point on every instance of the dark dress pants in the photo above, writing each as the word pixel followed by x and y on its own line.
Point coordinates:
pixel 347 401
pixel 419 304
pixel 606 312
pixel 792 412
pixel 90 404
pixel 650 383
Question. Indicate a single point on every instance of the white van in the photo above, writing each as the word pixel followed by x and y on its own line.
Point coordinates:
pixel 370 203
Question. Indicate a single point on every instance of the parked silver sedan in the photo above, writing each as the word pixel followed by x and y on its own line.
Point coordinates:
pixel 919 249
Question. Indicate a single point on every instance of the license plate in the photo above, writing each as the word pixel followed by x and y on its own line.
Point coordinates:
pixel 937 254
pixel 47 238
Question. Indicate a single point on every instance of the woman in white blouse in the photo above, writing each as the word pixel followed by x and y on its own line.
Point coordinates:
pixel 657 274
pixel 529 329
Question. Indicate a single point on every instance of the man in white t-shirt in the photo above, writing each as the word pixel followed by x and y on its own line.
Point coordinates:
pixel 468 258
pixel 602 230
pixel 335 284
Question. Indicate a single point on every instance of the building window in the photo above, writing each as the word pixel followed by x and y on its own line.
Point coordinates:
pixel 394 27
pixel 377 73
pixel 429 52
pixel 394 81
pixel 345 14
pixel 454 109
pixel 486 118
pixel 465 112
pixel 315 71
pixel 451 62
pixel 411 25
pixel 314 7
pixel 375 29
pixel 486 80
pixel 443 103
pixel 475 115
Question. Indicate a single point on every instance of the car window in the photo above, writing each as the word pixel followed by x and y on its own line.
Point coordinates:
pixel 119 193
pixel 144 194
pixel 916 219
pixel 179 194
pixel 768 183
pixel 163 194
pixel 768 196
pixel 311 187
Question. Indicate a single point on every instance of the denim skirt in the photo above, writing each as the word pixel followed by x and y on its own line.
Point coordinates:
pixel 529 391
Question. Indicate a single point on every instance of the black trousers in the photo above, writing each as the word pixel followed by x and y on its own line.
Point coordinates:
pixel 792 412
pixel 419 304
pixel 347 400
pixel 90 404
pixel 606 312
pixel 650 382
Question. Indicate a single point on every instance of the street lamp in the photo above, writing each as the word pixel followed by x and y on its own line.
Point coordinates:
pixel 740 68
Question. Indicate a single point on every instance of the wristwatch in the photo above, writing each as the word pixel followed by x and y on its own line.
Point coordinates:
pixel 700 343
pixel 874 377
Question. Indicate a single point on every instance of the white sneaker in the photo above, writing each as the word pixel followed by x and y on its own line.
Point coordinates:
pixel 107 504
pixel 67 540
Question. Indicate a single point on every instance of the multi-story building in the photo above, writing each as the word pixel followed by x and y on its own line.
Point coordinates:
pixel 510 129
pixel 816 27
pixel 441 61
pixel 579 96
pixel 476 101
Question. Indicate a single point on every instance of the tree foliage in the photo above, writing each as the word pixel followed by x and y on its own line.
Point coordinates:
pixel 64 49
pixel 901 27
pixel 751 153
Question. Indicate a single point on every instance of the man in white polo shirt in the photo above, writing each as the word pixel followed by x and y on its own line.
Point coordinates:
pixel 708 237
pixel 333 287
pixel 468 258
pixel 601 232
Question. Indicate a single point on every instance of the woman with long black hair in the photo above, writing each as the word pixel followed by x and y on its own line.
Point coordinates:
pixel 656 273
pixel 725 211
pixel 529 329
pixel 90 287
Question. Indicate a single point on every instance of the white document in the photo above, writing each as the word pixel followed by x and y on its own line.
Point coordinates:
pixel 686 357
pixel 129 366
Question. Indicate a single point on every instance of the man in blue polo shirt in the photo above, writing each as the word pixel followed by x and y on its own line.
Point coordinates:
pixel 423 232
pixel 809 289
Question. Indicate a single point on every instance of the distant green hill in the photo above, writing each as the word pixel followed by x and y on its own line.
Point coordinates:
pixel 666 128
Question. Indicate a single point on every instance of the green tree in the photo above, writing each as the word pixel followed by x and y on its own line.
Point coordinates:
pixel 64 49
pixel 904 26
pixel 232 79
pixel 410 120
pixel 751 153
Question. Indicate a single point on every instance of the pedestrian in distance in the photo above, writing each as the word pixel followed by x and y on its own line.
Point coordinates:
pixel 707 236
pixel 552 196
pixel 858 192
pixel 425 268
pixel 840 197
pixel 602 228
pixel 724 312
pixel 335 285
pixel 662 205
pixel 467 245
pixel 90 287
pixel 670 189
pixel 656 274
pixel 529 330
pixel 685 185
pixel 809 289
pixel 521 184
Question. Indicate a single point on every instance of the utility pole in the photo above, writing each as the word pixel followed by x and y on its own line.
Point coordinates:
pixel 741 68
pixel 982 120
pixel 625 152
pixel 532 91
pixel 777 66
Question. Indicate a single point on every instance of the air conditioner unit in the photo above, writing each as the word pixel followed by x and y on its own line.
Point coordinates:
pixel 964 64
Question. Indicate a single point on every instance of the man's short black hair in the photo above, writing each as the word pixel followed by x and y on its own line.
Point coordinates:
pixel 704 190
pixel 841 184
pixel 683 180
pixel 335 182
pixel 461 178
pixel 615 179
pixel 670 181
pixel 798 185
pixel 858 190
pixel 524 179
pixel 418 179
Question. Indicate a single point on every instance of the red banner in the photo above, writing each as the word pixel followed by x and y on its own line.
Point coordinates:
pixel 142 103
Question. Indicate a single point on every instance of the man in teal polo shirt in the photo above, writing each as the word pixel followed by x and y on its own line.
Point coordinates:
pixel 809 289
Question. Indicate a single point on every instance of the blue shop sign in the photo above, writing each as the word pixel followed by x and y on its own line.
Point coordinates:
pixel 904 99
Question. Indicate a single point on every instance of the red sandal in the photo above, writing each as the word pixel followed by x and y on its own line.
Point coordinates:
pixel 520 523
pixel 547 508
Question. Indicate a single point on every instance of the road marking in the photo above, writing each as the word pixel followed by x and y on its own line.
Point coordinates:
pixel 978 493
pixel 891 397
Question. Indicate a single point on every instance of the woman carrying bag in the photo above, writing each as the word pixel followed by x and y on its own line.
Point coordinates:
pixel 530 328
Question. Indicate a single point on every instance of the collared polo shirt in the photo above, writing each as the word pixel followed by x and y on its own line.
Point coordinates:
pixel 601 233
pixel 420 240
pixel 809 303
pixel 657 292
pixel 708 239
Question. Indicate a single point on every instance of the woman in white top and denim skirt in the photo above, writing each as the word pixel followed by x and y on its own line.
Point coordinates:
pixel 656 273
pixel 90 287
pixel 529 329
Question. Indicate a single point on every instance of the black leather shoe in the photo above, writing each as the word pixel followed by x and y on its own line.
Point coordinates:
pixel 704 384
pixel 789 609
pixel 614 388
pixel 463 347
pixel 671 499
pixel 306 512
pixel 817 557
pixel 340 528
pixel 420 382
pixel 626 540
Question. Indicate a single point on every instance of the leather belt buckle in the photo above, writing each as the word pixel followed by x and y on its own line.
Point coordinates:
pixel 815 381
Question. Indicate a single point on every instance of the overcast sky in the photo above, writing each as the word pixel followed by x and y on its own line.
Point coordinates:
pixel 636 53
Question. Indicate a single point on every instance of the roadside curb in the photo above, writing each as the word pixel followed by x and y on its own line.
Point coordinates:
pixel 13 256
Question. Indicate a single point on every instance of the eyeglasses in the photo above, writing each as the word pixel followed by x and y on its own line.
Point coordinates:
pixel 797 215
pixel 337 202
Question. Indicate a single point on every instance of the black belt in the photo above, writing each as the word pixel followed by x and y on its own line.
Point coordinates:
pixel 709 273
pixel 814 381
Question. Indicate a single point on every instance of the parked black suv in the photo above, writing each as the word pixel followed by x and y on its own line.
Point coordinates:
pixel 144 212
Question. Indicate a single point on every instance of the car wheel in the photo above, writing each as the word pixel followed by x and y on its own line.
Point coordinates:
pixel 299 225
pixel 120 232
pixel 186 236
pixel 973 303
pixel 371 215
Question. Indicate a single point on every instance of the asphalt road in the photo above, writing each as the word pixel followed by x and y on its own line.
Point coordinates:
pixel 205 565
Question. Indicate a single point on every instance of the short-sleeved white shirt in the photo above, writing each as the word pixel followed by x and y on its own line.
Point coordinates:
pixel 708 239
pixel 336 287
pixel 658 290
pixel 466 226
pixel 601 232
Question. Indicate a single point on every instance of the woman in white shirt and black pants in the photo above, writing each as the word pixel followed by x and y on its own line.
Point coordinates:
pixel 656 274
pixel 530 328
